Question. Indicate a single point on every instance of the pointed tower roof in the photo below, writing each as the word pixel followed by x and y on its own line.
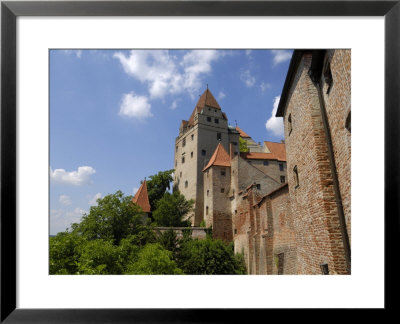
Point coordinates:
pixel 219 158
pixel 206 99
pixel 141 198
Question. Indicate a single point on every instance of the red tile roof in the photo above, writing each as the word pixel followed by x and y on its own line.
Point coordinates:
pixel 141 198
pixel 278 149
pixel 242 133
pixel 219 158
pixel 260 156
pixel 206 99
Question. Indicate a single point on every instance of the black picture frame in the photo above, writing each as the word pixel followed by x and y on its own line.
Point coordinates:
pixel 10 10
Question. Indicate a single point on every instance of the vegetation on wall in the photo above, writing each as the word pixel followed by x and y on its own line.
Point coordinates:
pixel 243 145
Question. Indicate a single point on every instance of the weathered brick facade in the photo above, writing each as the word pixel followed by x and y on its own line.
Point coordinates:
pixel 315 194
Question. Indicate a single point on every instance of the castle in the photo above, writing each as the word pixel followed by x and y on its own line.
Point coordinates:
pixel 286 206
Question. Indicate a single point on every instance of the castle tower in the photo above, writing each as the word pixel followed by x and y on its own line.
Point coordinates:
pixel 198 138
pixel 141 198
pixel 218 194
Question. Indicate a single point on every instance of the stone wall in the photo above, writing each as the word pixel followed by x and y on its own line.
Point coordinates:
pixel 312 197
pixel 338 107
pixel 197 232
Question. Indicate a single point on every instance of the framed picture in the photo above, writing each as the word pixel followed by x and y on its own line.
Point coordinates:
pixel 321 17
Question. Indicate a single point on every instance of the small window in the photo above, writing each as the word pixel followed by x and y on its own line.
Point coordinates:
pixel 282 179
pixel 280 167
pixel 234 143
pixel 290 123
pixel 177 148
pixel 235 231
pixel 180 174
pixel 203 152
pixel 348 122
pixel 235 211
pixel 184 142
pixel 219 136
pixel 208 119
pixel 223 172
pixel 191 154
pixel 236 153
pixel 206 210
pixel 192 137
pixel 222 190
pixel 208 192
pixel 186 184
pixel 258 186
pixel 216 120
pixel 266 163
pixel 183 159
pixel 328 76
pixel 296 176
pixel 324 268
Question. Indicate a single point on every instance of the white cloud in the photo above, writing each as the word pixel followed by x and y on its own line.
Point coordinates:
pixel 61 219
pixel 76 178
pixel 265 86
pixel 93 200
pixel 221 95
pixel 135 106
pixel 247 78
pixel 275 124
pixel 164 74
pixel 78 53
pixel 65 200
pixel 174 104
pixel 281 56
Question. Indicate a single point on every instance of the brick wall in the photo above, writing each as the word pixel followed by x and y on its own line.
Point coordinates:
pixel 316 223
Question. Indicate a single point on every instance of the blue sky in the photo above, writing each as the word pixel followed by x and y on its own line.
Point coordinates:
pixel 115 114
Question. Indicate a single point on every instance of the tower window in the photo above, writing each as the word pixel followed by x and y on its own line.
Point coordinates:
pixel 208 192
pixel 290 123
pixel 183 159
pixel 266 163
pixel 234 143
pixel 192 137
pixel 191 154
pixel 177 148
pixel 235 211
pixel 186 184
pixel 180 174
pixel 280 167
pixel 208 119
pixel 258 186
pixel 219 136
pixel 223 172
pixel 282 179
pixel 184 142
pixel 206 210
pixel 296 176
pixel 216 120
pixel 222 190
pixel 203 152
pixel 235 230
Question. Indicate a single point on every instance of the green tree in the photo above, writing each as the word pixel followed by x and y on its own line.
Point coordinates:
pixel 114 218
pixel 64 253
pixel 209 256
pixel 99 257
pixel 243 145
pixel 171 209
pixel 153 259
pixel 158 185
